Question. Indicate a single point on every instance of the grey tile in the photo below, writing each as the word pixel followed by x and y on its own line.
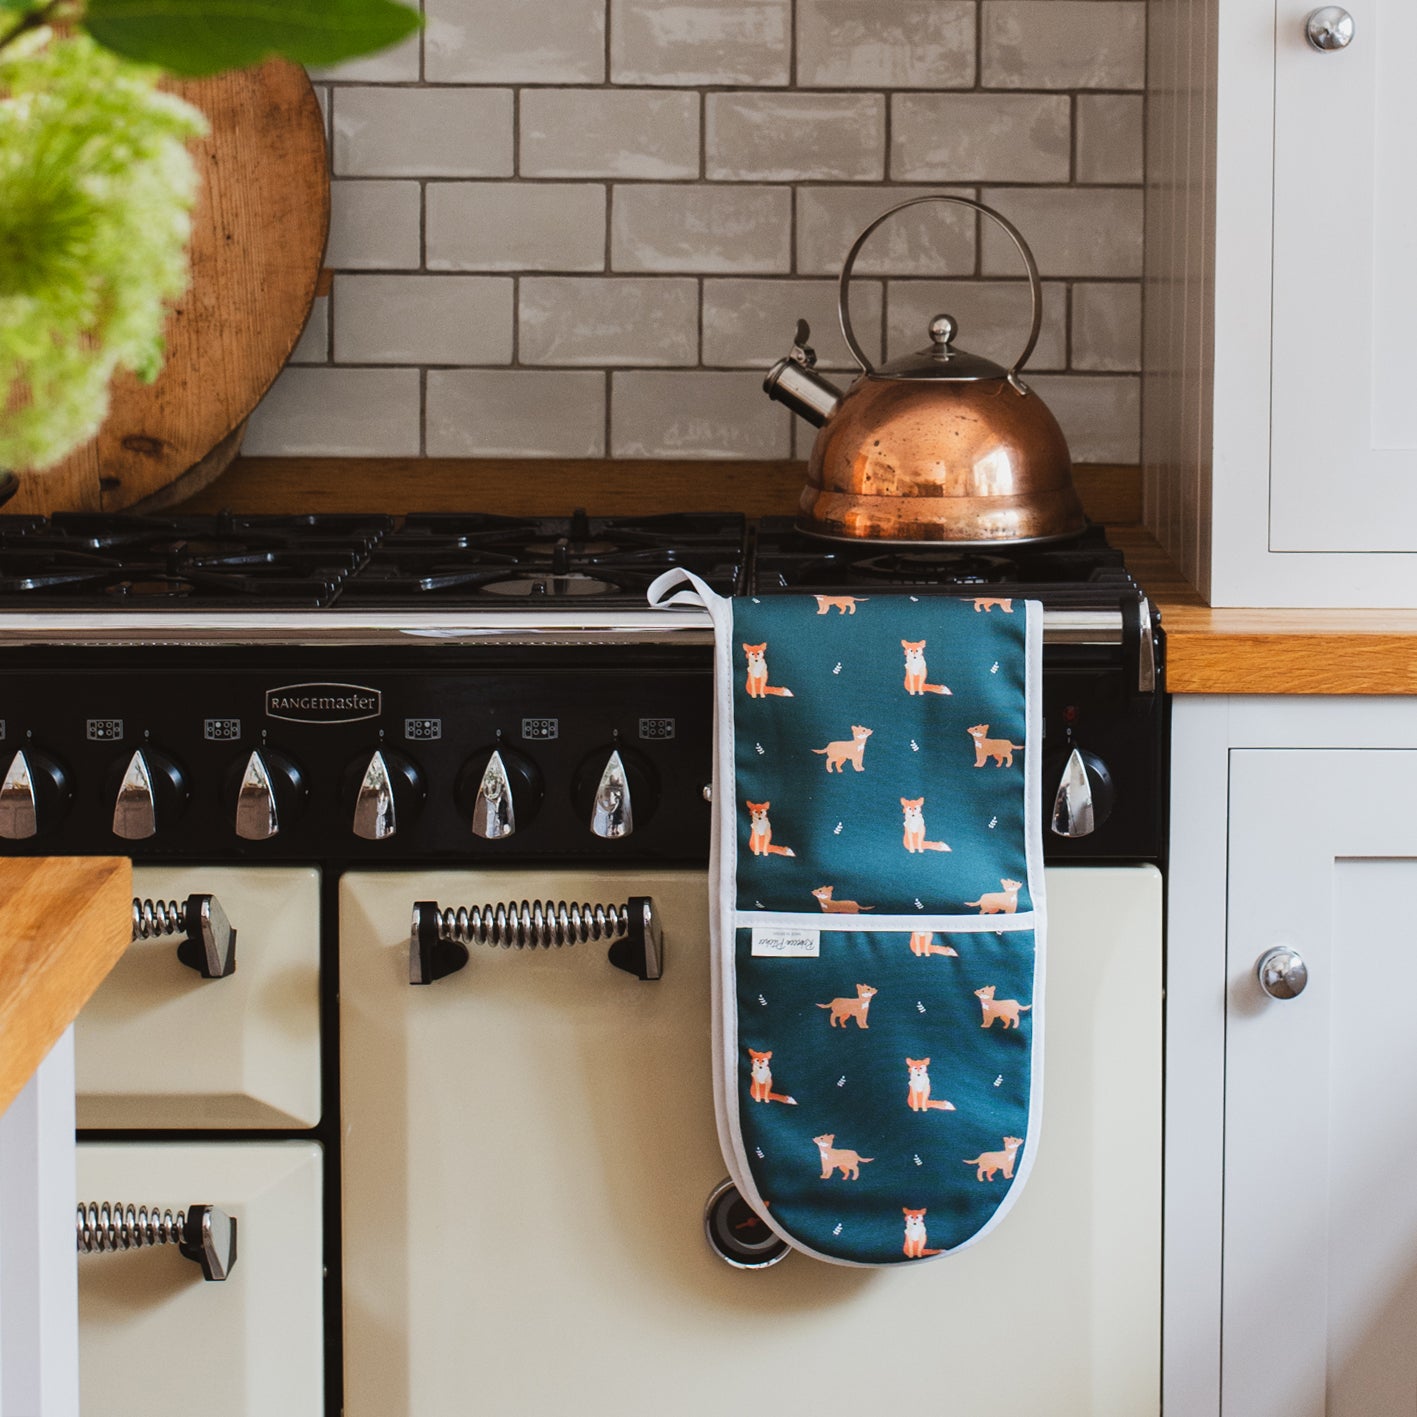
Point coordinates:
pixel 1100 414
pixel 609 133
pixel 401 132
pixel 888 44
pixel 695 414
pixel 750 323
pixel 933 239
pixel 784 137
pixel 609 320
pixel 516 413
pixel 423 319
pixel 525 42
pixel 1107 326
pixel 398 65
pixel 704 229
pixel 990 137
pixel 374 225
pixel 993 318
pixel 313 346
pixel 1063 44
pixel 314 412
pixel 703 42
pixel 1074 231
pixel 1110 134
pixel 515 226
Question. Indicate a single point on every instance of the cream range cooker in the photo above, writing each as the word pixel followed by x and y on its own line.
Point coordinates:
pixel 367 770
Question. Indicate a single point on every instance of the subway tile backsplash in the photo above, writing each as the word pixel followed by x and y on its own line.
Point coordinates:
pixel 582 228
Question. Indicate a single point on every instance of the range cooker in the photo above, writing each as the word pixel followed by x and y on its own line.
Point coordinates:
pixel 374 747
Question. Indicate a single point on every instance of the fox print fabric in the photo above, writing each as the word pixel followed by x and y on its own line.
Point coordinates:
pixel 877 914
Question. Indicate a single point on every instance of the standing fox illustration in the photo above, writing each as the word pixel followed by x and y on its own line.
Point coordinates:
pixel 857 1008
pixel 849 1163
pixel 1006 1009
pixel 915 670
pixel 760 832
pixel 845 750
pixel 838 907
pixel 922 944
pixel 915 827
pixel 918 1095
pixel 842 604
pixel 1004 902
pixel 915 1237
pixel 758 684
pixel 1000 749
pixel 760 1080
pixel 982 602
pixel 989 1162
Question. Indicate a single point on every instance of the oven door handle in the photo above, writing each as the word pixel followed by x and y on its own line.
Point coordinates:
pixel 203 1234
pixel 439 939
pixel 209 938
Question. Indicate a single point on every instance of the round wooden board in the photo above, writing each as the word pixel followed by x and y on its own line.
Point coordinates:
pixel 258 240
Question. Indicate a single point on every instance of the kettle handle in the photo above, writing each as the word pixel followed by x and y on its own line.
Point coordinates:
pixel 1035 286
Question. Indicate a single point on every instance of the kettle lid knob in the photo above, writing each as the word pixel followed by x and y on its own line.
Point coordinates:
pixel 943 329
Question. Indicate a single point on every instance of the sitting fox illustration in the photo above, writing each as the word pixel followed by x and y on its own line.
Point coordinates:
pixel 990 1162
pixel 915 670
pixel 922 943
pixel 857 1008
pixel 849 1163
pixel 982 602
pixel 760 1079
pixel 1000 749
pixel 915 827
pixel 838 907
pixel 842 604
pixel 1006 1009
pixel 758 684
pixel 918 1094
pixel 1004 902
pixel 915 1237
pixel 847 750
pixel 760 832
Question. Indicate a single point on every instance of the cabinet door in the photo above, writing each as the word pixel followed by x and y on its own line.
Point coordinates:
pixel 1344 422
pixel 1320 1260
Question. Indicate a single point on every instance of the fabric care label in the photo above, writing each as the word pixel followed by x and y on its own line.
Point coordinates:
pixel 778 942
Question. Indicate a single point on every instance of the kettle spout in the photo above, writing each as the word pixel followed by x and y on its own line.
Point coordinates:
pixel 796 383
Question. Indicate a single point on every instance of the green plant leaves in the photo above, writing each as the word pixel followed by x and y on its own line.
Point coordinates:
pixel 197 37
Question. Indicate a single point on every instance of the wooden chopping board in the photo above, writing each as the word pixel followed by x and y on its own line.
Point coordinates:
pixel 258 240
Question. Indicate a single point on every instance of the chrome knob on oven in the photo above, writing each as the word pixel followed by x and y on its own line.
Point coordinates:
pixel 202 1233
pixel 500 790
pixel 384 792
pixel 266 791
pixel 149 794
pixel 33 795
pixel 614 790
pixel 1083 800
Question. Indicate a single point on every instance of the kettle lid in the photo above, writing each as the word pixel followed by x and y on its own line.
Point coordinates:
pixel 941 360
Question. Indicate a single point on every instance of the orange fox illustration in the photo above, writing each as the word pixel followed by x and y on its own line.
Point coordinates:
pixel 1000 749
pixel 915 827
pixel 1006 1009
pixel 857 1008
pixel 915 1237
pixel 838 907
pixel 758 684
pixel 922 944
pixel 983 602
pixel 760 832
pixel 845 750
pixel 915 670
pixel 760 1080
pixel 1004 902
pixel 918 1094
pixel 990 1162
pixel 849 1163
pixel 842 604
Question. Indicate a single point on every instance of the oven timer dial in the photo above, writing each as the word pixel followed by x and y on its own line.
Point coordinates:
pixel 500 790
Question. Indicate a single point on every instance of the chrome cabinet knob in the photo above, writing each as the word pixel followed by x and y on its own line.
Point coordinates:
pixel 1282 972
pixel 1329 28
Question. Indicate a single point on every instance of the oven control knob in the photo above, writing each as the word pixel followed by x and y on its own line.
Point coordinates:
pixel 384 792
pixel 149 794
pixel 34 795
pixel 614 791
pixel 266 792
pixel 1083 800
pixel 500 789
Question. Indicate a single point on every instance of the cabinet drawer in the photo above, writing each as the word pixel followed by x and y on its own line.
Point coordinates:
pixel 243 1051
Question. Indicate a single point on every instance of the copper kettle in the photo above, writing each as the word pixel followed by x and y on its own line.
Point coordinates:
pixel 936 446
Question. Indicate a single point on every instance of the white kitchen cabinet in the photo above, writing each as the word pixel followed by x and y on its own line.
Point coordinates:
pixel 1295 1119
pixel 1280 434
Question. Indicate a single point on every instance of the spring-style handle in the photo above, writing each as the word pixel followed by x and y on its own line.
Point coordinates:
pixel 209 945
pixel 439 938
pixel 202 1233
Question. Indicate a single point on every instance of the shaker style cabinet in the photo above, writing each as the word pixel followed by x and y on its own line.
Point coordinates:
pixel 1292 1071
pixel 1281 435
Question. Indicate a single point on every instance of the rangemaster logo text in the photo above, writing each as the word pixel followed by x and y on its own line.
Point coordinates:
pixel 322 703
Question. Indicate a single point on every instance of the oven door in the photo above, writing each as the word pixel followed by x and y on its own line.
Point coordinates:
pixel 529 1144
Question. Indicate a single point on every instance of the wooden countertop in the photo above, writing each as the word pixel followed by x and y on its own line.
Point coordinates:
pixel 63 923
